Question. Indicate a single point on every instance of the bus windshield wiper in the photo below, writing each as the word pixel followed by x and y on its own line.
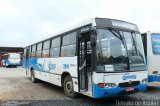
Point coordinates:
pixel 118 35
pixel 134 42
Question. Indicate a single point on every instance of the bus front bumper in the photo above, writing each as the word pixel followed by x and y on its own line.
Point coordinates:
pixel 154 78
pixel 116 91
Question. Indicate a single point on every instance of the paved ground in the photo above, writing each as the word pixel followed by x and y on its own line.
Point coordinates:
pixel 14 85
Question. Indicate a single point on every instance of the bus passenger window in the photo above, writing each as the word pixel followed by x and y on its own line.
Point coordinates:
pixel 68 50
pixel 46 46
pixel 39 50
pixel 55 47
pixel 45 53
pixel 69 45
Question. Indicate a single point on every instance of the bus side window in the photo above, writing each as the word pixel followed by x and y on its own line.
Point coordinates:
pixel 68 48
pixel 39 50
pixel 55 47
pixel 33 51
pixel 46 46
pixel 30 51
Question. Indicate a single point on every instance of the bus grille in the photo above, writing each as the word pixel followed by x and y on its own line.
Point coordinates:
pixel 127 84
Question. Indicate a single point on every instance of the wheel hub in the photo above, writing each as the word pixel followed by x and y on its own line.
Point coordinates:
pixel 69 86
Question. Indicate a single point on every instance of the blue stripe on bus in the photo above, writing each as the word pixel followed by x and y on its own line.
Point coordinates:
pixel 153 78
pixel 32 63
pixel 110 92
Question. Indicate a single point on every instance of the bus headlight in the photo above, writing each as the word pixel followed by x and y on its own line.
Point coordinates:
pixel 145 80
pixel 106 85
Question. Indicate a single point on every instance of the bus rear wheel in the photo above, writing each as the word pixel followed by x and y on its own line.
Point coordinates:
pixel 68 87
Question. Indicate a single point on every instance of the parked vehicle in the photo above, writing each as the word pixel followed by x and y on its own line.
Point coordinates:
pixel 99 58
pixel 151 42
pixel 11 59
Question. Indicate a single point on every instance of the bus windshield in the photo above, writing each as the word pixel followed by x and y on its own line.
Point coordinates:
pixel 156 44
pixel 119 51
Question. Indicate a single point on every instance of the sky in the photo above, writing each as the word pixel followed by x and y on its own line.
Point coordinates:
pixel 23 22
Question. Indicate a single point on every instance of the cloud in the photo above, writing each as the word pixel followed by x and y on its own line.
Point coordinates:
pixel 23 22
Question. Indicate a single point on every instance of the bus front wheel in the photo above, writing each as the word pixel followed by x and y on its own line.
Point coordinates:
pixel 68 87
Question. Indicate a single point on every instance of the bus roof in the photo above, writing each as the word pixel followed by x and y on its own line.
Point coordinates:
pixel 97 22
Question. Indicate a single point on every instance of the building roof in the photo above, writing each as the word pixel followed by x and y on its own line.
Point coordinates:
pixel 11 49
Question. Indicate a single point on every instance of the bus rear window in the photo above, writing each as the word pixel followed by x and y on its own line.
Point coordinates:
pixel 156 44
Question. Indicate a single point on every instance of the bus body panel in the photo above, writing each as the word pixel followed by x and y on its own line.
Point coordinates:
pixel 51 69
pixel 55 65
pixel 153 65
pixel 118 78
pixel 153 61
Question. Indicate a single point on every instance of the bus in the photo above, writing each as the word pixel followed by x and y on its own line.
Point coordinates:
pixel 11 60
pixel 151 42
pixel 98 57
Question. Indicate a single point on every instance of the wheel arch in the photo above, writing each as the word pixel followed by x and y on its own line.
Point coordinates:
pixel 64 74
pixel 31 70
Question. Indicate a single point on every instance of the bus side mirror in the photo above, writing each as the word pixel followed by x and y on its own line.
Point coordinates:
pixel 93 38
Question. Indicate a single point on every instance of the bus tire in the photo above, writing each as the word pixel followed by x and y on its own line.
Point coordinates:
pixel 68 87
pixel 33 79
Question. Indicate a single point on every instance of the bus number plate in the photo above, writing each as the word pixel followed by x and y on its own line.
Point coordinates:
pixel 129 89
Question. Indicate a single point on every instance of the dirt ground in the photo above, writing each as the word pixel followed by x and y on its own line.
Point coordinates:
pixel 16 86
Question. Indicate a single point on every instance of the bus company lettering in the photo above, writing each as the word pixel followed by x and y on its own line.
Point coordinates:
pixel 51 66
pixel 127 76
pixel 84 29
pixel 65 66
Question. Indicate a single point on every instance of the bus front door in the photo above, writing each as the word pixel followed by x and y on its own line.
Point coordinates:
pixel 84 63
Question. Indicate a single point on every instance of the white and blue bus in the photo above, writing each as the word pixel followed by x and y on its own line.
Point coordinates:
pixel 99 58
pixel 151 42
pixel 11 60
